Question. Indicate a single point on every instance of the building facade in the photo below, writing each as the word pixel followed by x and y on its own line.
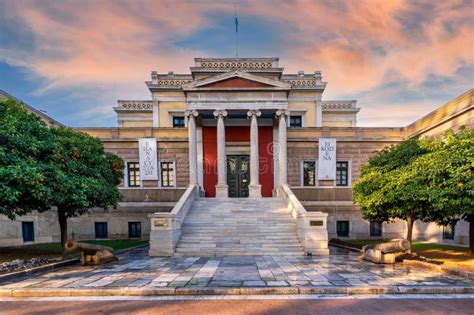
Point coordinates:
pixel 242 128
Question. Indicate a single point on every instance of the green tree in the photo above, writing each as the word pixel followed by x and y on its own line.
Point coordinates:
pixel 446 179
pixel 25 159
pixel 85 176
pixel 387 190
pixel 41 168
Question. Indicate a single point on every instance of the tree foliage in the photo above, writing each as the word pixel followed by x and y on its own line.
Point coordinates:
pixel 43 167
pixel 427 180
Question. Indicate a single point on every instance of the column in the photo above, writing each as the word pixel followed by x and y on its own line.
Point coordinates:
pixel 282 159
pixel 193 175
pixel 255 189
pixel 221 187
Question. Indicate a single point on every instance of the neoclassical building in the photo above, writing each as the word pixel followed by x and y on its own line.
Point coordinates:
pixel 238 157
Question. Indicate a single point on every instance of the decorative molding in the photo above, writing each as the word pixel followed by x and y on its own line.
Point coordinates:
pixel 339 106
pixel 172 82
pixel 254 112
pixel 134 105
pixel 237 64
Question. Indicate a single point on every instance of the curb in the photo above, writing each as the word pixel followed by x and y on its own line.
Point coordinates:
pixel 73 292
pixel 444 270
pixel 53 266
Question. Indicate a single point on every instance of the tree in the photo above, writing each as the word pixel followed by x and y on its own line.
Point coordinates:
pixel 25 159
pixel 84 177
pixel 387 189
pixel 41 168
pixel 447 175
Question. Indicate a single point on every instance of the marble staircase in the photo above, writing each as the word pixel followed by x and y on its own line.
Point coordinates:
pixel 238 226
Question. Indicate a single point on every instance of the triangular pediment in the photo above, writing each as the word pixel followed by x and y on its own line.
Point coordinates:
pixel 236 80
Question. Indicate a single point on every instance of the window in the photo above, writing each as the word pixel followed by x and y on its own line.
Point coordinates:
pixel 134 229
pixel 448 232
pixel 342 170
pixel 309 173
pixel 342 228
pixel 178 122
pixel 28 231
pixel 296 121
pixel 133 169
pixel 101 230
pixel 375 228
pixel 167 174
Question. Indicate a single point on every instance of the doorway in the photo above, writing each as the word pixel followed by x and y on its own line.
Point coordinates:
pixel 238 175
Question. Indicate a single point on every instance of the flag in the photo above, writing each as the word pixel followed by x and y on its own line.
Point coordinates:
pixel 236 25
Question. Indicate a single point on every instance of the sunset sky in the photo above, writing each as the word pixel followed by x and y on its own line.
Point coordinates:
pixel 74 59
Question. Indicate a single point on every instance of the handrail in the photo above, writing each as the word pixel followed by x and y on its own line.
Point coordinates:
pixel 297 209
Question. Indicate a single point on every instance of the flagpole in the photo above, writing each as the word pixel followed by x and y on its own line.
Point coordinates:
pixel 236 31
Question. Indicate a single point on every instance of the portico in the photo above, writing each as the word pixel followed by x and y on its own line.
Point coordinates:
pixel 245 128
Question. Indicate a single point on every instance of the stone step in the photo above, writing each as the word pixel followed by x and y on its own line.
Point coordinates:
pixel 241 226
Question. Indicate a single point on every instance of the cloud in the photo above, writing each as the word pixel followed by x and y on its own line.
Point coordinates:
pixel 360 45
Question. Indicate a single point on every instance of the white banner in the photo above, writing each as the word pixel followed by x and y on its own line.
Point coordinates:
pixel 148 159
pixel 327 159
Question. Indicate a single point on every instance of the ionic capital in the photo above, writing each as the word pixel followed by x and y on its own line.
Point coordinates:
pixel 251 113
pixel 190 113
pixel 282 113
pixel 220 113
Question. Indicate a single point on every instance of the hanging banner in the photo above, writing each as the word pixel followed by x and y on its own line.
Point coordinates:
pixel 148 159
pixel 327 159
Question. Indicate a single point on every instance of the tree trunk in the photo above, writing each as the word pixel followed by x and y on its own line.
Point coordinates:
pixel 63 227
pixel 470 219
pixel 410 222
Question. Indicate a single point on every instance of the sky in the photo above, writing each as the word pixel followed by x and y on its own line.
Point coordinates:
pixel 398 59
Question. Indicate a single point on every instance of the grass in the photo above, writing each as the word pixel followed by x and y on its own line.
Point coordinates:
pixel 451 256
pixel 53 250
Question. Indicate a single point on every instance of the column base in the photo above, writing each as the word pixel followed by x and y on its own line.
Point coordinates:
pixel 222 191
pixel 255 190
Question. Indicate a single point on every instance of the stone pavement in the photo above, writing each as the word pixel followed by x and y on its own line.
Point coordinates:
pixel 341 272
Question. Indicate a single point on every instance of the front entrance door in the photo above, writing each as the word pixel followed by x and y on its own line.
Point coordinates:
pixel 238 175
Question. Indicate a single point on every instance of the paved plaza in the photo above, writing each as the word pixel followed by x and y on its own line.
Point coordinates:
pixel 136 270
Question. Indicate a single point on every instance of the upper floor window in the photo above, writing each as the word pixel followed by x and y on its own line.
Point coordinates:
pixel 342 173
pixel 133 173
pixel 296 121
pixel 167 174
pixel 178 121
pixel 309 173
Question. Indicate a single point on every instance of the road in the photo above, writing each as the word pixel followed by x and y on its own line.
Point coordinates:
pixel 279 305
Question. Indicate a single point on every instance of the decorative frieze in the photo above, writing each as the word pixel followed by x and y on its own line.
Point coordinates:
pixel 329 106
pixel 134 105
pixel 172 83
pixel 236 64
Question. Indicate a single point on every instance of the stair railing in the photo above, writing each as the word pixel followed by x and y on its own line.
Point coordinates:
pixel 165 229
pixel 311 227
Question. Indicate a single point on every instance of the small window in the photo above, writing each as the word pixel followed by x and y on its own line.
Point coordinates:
pixel 28 231
pixel 342 228
pixel 375 228
pixel 178 121
pixel 101 230
pixel 133 169
pixel 448 232
pixel 134 229
pixel 167 174
pixel 296 121
pixel 342 172
pixel 309 173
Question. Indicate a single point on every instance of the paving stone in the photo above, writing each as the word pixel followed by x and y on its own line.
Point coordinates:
pixel 266 273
